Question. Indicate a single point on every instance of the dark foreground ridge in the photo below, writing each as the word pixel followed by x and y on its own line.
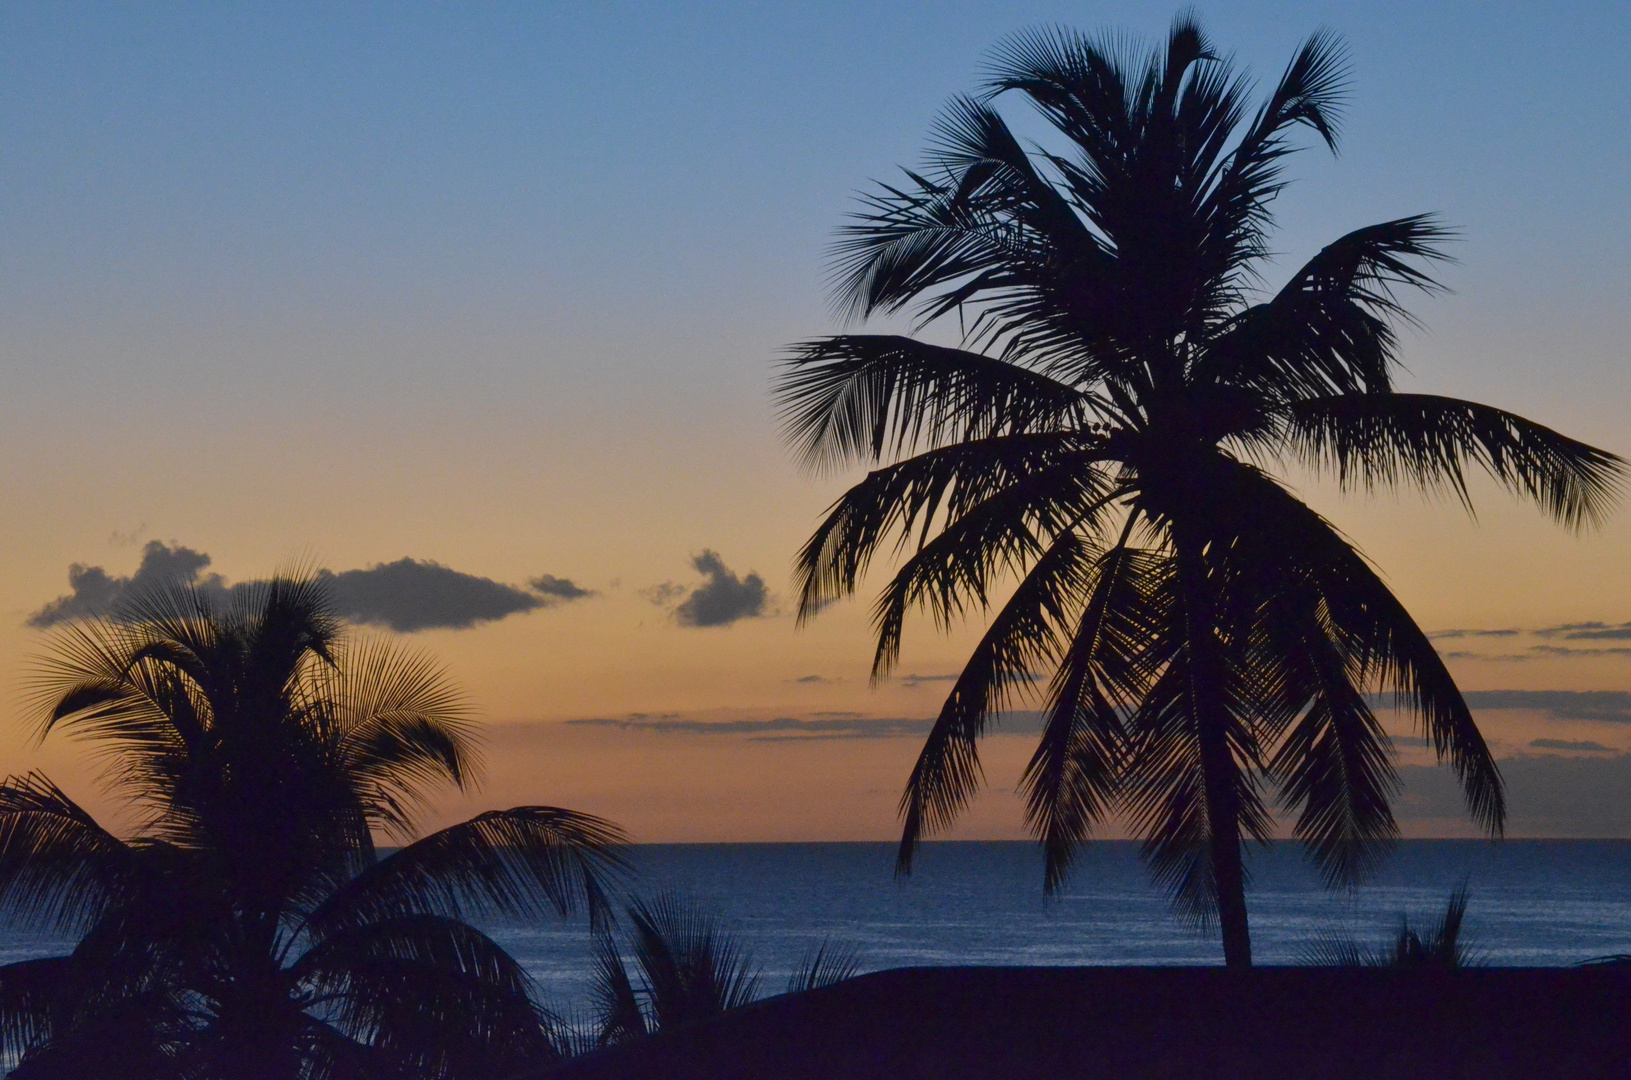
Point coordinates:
pixel 1154 1023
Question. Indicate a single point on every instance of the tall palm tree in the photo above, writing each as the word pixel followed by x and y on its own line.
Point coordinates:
pixel 250 927
pixel 1112 433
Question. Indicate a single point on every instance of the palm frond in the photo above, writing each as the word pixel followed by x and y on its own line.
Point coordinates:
pixel 59 869
pixel 1023 636
pixel 1429 441
pixel 956 570
pixel 691 965
pixel 401 728
pixel 856 397
pixel 525 861
pixel 432 995
pixel 1074 777
pixel 30 998
pixel 909 499
pixel 619 1017
pixel 826 965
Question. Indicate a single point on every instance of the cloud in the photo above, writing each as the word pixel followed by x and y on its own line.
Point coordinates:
pixel 1442 635
pixel 1612 706
pixel 814 680
pixel 1567 650
pixel 405 595
pixel 775 729
pixel 720 600
pixel 1548 795
pixel 1488 656
pixel 1571 744
pixel 821 725
pixel 1588 631
pixel 410 594
pixel 93 591
pixel 919 680
pixel 558 587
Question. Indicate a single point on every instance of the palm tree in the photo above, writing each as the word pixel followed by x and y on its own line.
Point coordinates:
pixel 1112 432
pixel 250 927
pixel 1439 948
pixel 691 968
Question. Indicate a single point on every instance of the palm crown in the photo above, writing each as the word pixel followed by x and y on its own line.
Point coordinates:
pixel 1109 435
pixel 250 927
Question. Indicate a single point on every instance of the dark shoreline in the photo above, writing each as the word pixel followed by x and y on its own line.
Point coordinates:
pixel 1271 1023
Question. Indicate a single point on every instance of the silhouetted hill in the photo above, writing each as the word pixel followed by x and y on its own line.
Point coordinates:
pixel 1154 1023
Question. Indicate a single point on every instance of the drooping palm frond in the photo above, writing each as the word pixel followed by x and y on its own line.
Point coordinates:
pixel 1429 441
pixel 59 869
pixel 525 861
pixel 1024 635
pixel 434 995
pixel 909 499
pixel 1074 778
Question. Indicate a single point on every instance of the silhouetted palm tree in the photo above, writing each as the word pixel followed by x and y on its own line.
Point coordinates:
pixel 1110 433
pixel 250 928
pixel 1440 947
pixel 691 968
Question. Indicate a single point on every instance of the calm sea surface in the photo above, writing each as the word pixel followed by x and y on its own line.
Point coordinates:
pixel 1533 903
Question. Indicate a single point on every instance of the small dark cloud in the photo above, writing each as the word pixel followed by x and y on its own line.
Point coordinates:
pixel 1444 635
pixel 1488 656
pixel 663 595
pixel 814 680
pixel 721 599
pixel 919 680
pixel 558 587
pixel 405 595
pixel 1571 744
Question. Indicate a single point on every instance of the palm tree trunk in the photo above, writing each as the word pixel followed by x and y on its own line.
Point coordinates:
pixel 1219 770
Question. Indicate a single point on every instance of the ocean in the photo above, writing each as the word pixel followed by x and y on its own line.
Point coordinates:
pixel 1533 902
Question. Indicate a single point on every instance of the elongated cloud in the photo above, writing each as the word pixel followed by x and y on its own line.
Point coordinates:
pixel 405 595
pixel 819 725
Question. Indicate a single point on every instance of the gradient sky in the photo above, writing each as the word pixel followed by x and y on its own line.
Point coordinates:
pixel 499 286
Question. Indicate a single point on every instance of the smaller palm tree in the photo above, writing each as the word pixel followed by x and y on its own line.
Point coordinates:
pixel 691 968
pixel 250 927
pixel 1440 947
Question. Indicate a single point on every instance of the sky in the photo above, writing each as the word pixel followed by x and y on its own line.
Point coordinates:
pixel 476 308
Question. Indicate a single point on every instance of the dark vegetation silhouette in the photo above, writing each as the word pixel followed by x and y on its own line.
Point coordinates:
pixel 1114 432
pixel 1440 946
pixel 249 927
pixel 689 967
